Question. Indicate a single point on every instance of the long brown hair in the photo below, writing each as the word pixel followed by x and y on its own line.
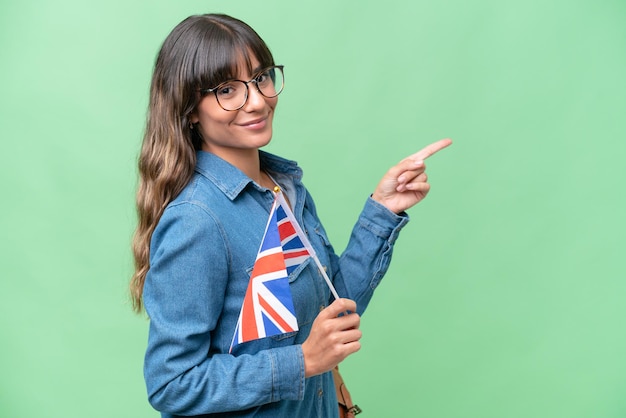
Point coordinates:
pixel 200 52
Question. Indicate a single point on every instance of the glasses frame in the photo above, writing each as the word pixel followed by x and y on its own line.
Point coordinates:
pixel 254 80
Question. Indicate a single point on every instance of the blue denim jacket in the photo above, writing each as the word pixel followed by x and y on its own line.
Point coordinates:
pixel 201 256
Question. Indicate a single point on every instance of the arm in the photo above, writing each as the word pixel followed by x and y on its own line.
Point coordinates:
pixel 366 259
pixel 368 254
pixel 364 262
pixel 184 296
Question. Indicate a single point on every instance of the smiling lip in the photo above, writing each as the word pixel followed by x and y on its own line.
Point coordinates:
pixel 255 124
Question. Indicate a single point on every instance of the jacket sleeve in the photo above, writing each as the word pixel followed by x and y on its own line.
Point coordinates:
pixel 184 295
pixel 364 262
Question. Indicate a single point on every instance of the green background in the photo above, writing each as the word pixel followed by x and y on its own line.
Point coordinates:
pixel 506 297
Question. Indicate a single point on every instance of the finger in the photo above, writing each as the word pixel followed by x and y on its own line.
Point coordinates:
pixel 422 178
pixel 352 347
pixel 418 187
pixel 406 165
pixel 410 175
pixel 339 306
pixel 414 185
pixel 431 149
pixel 344 350
pixel 347 322
pixel 350 336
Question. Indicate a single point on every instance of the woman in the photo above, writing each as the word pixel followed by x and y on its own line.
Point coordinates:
pixel 203 201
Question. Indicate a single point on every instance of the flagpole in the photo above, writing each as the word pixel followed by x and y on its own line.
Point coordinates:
pixel 305 240
pixel 328 282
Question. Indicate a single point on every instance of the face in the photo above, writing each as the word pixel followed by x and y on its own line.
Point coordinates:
pixel 229 133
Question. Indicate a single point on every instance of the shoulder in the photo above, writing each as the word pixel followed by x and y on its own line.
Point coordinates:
pixel 190 217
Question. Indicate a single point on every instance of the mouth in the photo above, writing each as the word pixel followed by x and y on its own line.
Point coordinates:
pixel 258 123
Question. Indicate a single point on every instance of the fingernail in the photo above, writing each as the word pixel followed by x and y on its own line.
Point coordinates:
pixel 418 162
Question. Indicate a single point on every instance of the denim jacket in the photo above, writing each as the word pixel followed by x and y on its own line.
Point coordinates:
pixel 201 256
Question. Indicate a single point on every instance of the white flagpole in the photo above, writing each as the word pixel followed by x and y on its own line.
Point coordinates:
pixel 305 240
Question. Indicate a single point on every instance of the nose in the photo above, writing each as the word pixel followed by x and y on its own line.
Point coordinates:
pixel 255 99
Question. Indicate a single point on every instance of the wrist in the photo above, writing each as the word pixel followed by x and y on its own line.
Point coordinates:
pixel 308 369
pixel 377 198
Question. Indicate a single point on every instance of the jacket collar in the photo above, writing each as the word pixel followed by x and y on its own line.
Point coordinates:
pixel 232 181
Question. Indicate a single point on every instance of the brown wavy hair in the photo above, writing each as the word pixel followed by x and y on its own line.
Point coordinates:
pixel 201 52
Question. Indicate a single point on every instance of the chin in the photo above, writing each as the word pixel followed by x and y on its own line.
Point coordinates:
pixel 264 139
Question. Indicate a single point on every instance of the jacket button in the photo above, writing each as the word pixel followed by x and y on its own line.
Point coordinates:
pixel 322 308
pixel 320 393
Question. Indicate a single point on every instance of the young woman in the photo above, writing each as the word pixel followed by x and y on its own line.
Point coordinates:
pixel 205 193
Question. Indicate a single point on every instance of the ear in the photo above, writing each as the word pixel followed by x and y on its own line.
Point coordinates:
pixel 193 117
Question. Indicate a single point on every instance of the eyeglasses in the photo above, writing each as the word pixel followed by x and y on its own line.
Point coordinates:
pixel 233 94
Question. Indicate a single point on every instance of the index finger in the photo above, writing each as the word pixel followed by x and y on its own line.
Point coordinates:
pixel 429 150
pixel 340 306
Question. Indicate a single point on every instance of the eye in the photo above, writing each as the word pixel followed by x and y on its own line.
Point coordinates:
pixel 227 90
pixel 265 77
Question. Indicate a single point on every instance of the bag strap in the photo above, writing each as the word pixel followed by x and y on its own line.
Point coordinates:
pixel 346 408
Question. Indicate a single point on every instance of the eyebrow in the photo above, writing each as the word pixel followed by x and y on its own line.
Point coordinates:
pixel 254 72
pixel 258 69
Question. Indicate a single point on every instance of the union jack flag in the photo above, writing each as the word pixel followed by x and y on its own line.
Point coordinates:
pixel 294 250
pixel 268 306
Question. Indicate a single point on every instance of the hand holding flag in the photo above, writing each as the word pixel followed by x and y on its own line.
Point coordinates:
pixel 334 335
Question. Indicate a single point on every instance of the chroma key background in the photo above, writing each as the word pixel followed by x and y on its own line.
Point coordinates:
pixel 506 297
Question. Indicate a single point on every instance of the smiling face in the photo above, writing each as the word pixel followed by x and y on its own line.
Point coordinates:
pixel 231 133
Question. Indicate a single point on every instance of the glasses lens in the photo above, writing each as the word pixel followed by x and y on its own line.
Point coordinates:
pixel 231 95
pixel 271 82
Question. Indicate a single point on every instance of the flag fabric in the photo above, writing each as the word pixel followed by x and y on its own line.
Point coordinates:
pixel 295 243
pixel 294 250
pixel 268 305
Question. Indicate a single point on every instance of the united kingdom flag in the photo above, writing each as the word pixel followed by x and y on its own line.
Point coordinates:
pixel 268 306
pixel 294 250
